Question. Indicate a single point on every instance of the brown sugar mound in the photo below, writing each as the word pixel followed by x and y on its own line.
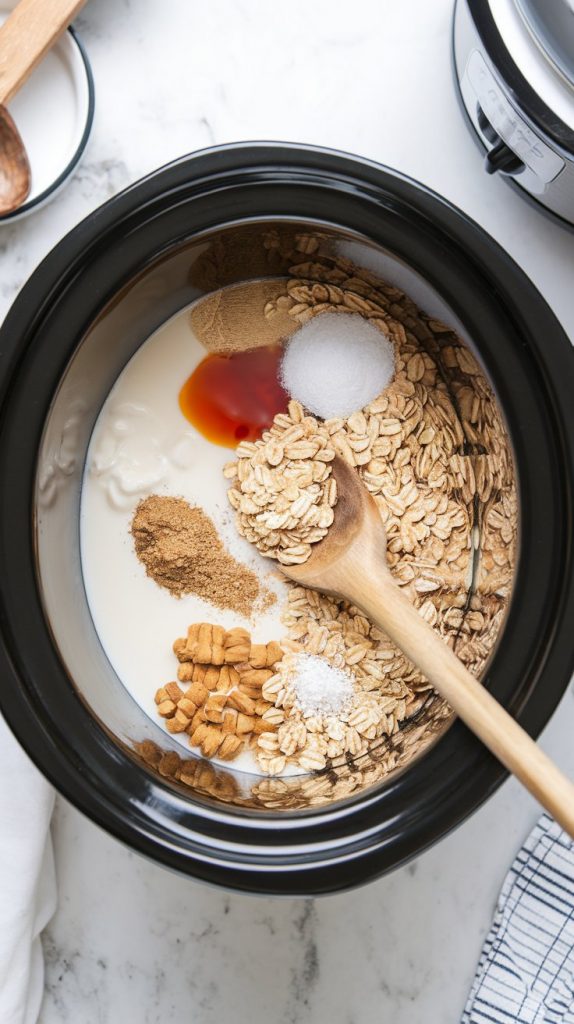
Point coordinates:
pixel 233 319
pixel 181 550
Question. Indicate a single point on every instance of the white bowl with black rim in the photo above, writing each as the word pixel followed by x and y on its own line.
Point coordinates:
pixel 54 113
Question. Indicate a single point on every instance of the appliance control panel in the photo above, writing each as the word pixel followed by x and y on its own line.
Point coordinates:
pixel 528 147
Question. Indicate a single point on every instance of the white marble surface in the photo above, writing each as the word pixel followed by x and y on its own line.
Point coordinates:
pixel 131 941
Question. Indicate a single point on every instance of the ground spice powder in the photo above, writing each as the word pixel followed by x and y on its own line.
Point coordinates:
pixel 181 550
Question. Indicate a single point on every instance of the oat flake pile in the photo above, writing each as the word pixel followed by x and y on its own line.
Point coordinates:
pixel 433 452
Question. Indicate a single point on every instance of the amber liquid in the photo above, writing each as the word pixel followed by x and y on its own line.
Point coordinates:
pixel 233 398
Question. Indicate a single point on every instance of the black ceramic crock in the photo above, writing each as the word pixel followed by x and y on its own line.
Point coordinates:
pixel 59 694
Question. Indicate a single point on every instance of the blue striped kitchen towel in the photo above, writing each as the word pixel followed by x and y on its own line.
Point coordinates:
pixel 526 969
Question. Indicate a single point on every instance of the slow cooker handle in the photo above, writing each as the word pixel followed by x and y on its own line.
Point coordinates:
pixel 502 158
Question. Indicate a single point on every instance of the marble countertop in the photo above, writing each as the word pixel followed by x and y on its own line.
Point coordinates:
pixel 129 940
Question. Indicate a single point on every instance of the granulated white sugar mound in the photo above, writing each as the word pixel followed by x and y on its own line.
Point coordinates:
pixel 336 364
pixel 319 688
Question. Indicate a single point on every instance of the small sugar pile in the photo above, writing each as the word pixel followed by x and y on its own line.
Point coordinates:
pixel 336 364
pixel 319 688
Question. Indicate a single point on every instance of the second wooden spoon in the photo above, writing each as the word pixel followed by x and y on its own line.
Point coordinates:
pixel 26 35
pixel 351 562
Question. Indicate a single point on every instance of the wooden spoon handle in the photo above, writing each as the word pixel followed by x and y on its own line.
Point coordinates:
pixel 392 611
pixel 26 35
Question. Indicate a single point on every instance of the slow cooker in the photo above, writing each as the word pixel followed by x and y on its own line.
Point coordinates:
pixel 87 308
pixel 514 64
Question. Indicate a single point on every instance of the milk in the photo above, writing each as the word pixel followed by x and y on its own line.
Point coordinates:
pixel 142 444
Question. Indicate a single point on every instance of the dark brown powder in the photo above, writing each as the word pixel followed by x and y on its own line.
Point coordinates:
pixel 181 550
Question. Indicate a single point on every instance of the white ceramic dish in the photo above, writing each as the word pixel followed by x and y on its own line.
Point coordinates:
pixel 54 112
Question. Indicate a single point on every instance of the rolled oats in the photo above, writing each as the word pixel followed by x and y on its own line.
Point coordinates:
pixel 433 452
pixel 281 488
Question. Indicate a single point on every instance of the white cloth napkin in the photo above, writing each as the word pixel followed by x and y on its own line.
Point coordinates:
pixel 27 881
pixel 526 970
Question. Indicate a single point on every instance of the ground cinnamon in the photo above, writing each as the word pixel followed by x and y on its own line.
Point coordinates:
pixel 181 550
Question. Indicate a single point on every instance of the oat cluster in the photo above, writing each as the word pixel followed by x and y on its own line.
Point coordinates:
pixel 282 489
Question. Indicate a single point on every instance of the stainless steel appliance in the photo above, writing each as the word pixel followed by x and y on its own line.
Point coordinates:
pixel 514 62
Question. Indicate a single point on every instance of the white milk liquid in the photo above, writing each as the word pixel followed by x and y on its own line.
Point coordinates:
pixel 142 444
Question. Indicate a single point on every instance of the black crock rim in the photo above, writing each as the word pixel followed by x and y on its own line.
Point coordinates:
pixel 307 861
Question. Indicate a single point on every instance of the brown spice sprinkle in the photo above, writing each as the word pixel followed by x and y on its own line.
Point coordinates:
pixel 222 708
pixel 182 551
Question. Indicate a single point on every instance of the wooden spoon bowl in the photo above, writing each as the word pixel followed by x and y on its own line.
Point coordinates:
pixel 15 174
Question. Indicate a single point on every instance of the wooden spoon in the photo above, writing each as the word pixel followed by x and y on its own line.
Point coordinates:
pixel 350 562
pixel 26 35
